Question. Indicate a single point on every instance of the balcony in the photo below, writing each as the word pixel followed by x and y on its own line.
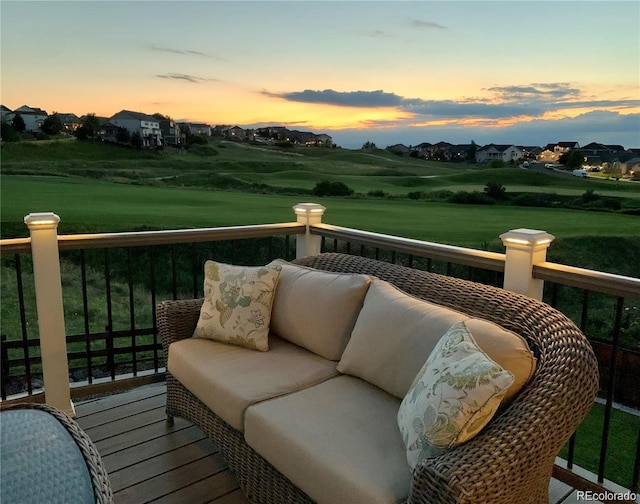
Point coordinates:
pixel 102 312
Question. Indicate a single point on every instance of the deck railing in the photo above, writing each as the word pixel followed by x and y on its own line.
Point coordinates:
pixel 128 273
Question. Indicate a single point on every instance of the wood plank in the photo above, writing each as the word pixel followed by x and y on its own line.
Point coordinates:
pixel 210 489
pixel 126 424
pixel 235 497
pixel 558 491
pixel 164 445
pixel 160 464
pixel 89 406
pixel 123 411
pixel 143 434
pixel 177 479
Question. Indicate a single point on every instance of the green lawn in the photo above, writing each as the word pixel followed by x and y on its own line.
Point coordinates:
pixel 91 205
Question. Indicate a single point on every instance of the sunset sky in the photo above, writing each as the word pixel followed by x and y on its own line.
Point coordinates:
pixel 528 73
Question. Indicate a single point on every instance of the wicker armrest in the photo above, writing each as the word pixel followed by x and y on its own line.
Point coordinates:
pixel 177 320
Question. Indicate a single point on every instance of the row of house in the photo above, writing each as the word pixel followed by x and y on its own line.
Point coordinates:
pixel 160 131
pixel 157 130
pixel 594 154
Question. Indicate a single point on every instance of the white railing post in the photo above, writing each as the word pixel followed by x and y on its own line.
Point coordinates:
pixel 48 288
pixel 308 214
pixel 525 247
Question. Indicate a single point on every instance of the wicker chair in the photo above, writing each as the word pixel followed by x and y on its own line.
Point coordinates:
pixel 511 460
pixel 97 473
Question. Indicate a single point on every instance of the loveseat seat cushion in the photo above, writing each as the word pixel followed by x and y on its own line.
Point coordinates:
pixel 395 333
pixel 317 309
pixel 337 441
pixel 229 378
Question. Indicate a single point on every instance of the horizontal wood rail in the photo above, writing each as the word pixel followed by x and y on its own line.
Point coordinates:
pixel 459 255
pixel 142 238
pixel 597 281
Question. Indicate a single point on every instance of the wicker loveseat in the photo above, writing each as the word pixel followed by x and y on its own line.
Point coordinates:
pixel 509 461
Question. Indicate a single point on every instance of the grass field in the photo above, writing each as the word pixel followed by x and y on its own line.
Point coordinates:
pixel 97 205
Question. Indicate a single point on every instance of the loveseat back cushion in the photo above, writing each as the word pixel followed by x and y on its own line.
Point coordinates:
pixel 395 333
pixel 230 378
pixel 338 441
pixel 317 309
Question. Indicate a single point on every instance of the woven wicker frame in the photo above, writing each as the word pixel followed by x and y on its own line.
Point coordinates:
pixel 99 477
pixel 511 460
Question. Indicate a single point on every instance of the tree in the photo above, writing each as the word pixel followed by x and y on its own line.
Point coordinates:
pixel 52 125
pixel 471 152
pixel 495 190
pixel 327 188
pixel 122 135
pixel 17 123
pixel 136 139
pixel 91 124
pixel 572 159
pixel 8 134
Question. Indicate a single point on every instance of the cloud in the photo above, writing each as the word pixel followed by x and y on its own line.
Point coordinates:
pixel 345 99
pixel 179 51
pixel 532 100
pixel 427 25
pixel 186 78
pixel 557 91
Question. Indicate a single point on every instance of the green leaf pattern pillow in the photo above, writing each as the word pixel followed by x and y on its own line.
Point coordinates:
pixel 455 394
pixel 237 304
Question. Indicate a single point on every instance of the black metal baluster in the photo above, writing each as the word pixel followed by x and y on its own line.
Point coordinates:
pixel 195 268
pixel 636 467
pixel 152 272
pixel 4 366
pixel 613 361
pixel 23 325
pixel 109 328
pixel 132 314
pixel 174 273
pixel 85 313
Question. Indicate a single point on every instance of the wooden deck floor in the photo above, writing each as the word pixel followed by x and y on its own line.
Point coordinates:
pixel 148 461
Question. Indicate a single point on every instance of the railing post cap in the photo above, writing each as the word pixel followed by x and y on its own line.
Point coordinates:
pixel 309 208
pixel 42 220
pixel 526 237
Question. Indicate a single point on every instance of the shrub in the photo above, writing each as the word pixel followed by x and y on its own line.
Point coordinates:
pixel 497 163
pixel 472 198
pixel 416 195
pixel 377 193
pixel 495 190
pixel 327 188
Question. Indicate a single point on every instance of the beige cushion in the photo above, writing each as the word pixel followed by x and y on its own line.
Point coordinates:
pixel 317 309
pixel 229 378
pixel 455 394
pixel 237 304
pixel 338 441
pixel 396 332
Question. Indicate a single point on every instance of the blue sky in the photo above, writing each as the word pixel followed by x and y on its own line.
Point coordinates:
pixel 519 72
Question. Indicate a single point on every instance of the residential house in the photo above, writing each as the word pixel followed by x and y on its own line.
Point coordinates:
pixel 552 152
pixel 108 131
pixel 235 133
pixel 423 149
pixel 601 155
pixel 70 121
pixel 147 126
pixel 504 153
pixel 440 151
pixel 33 117
pixel 199 129
pixel 171 132
pixel 459 153
pixel 531 151
pixel 631 168
pixel 4 112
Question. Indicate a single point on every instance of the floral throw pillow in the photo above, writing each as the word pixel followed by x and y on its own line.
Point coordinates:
pixel 237 304
pixel 455 394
